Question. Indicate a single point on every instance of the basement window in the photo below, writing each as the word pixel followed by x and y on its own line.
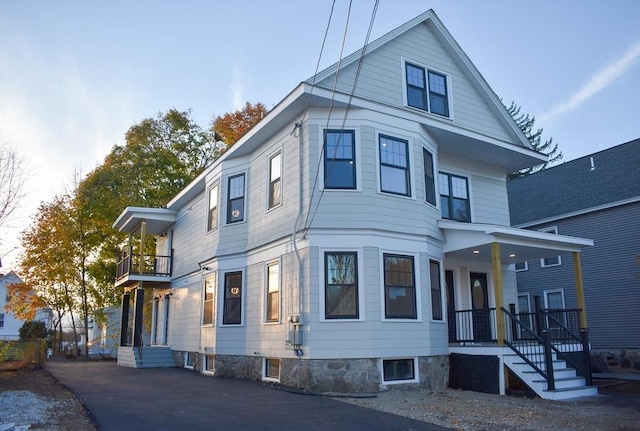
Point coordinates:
pixel 189 360
pixel 272 369
pixel 399 370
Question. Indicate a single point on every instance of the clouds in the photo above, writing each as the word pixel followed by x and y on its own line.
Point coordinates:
pixel 598 82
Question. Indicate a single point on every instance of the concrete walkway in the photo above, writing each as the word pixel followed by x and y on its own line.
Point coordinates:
pixel 122 399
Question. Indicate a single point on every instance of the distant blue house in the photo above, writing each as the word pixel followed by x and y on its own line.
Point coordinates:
pixel 596 197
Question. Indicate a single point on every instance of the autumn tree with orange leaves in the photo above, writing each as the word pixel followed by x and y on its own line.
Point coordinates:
pixel 231 126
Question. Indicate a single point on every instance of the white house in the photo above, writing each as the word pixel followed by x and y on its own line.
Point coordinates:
pixel 9 324
pixel 355 239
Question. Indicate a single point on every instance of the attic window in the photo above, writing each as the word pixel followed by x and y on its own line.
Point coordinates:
pixel 427 90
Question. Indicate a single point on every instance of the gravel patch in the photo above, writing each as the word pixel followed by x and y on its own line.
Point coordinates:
pixel 25 408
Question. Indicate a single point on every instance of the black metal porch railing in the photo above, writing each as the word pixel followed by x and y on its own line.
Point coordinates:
pixel 472 326
pixel 152 264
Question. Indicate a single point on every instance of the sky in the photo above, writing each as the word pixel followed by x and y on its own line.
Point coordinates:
pixel 76 75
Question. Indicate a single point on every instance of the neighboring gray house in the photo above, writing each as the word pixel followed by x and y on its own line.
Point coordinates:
pixel 598 197
pixel 104 332
pixel 356 239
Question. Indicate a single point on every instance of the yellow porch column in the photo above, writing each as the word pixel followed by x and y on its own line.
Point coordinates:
pixel 577 270
pixel 497 284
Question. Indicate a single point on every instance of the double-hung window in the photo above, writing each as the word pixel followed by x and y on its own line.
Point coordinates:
pixel 436 290
pixel 208 300
pixel 232 313
pixel 454 197
pixel 399 287
pixel 235 201
pixel 429 177
pixel 341 285
pixel 339 159
pixel 212 218
pixel 394 166
pixel 427 90
pixel 275 185
pixel 552 260
pixel 273 292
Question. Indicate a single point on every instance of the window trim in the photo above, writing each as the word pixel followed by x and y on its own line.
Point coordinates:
pixel 543 264
pixel 189 360
pixel 325 159
pixel 550 291
pixel 407 169
pixel 526 266
pixel 358 294
pixel 416 289
pixel 243 197
pixel 241 299
pixel 205 362
pixel 450 196
pixel 416 371
pixel 214 279
pixel 265 370
pixel 270 182
pixel 210 220
pixel 426 96
pixel 266 293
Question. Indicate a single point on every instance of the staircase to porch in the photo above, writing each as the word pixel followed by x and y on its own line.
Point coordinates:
pixel 567 382
pixel 145 357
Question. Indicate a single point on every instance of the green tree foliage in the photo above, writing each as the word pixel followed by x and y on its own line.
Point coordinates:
pixel 231 126
pixel 548 147
pixel 32 330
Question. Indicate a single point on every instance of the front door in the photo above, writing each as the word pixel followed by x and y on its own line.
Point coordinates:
pixel 480 307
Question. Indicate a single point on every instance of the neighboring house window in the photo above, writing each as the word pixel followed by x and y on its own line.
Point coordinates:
pixel 341 285
pixel 399 287
pixel 273 292
pixel 431 94
pixel 524 304
pixel 272 369
pixel 521 266
pixel 525 315
pixel 212 219
pixel 554 300
pixel 339 159
pixel 275 185
pixel 553 260
pixel 454 197
pixel 1 320
pixel 235 202
pixel 398 369
pixel 208 301
pixel 436 290
pixel 429 178
pixel 232 314
pixel 394 166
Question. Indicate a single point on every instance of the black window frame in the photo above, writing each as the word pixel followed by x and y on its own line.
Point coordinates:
pixel 351 288
pixel 390 288
pixel 437 312
pixel 275 184
pixel 332 161
pixel 448 200
pixel 395 366
pixel 422 91
pixel 385 164
pixel 429 177
pixel 236 202
pixel 232 310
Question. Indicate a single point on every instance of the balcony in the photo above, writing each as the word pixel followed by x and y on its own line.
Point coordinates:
pixel 150 269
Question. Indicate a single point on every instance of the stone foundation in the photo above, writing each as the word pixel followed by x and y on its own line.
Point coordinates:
pixel 619 360
pixel 341 376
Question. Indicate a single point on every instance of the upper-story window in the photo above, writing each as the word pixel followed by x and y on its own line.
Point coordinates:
pixel 427 90
pixel 429 177
pixel 235 201
pixel 339 159
pixel 212 217
pixel 275 185
pixel 454 197
pixel 552 260
pixel 394 166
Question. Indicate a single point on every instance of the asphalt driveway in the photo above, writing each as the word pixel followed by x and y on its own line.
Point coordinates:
pixel 123 399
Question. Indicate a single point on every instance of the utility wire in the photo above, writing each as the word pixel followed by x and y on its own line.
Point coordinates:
pixel 344 119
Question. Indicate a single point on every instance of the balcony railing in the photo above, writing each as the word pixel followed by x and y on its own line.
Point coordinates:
pixel 472 326
pixel 152 265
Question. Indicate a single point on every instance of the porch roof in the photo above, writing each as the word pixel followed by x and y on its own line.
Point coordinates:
pixel 158 220
pixel 472 241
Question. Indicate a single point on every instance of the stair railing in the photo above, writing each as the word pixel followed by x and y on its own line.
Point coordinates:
pixel 527 346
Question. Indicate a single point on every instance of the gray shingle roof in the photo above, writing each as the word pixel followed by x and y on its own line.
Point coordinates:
pixel 574 186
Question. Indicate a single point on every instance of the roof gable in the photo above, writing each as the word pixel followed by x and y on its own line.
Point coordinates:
pixel 598 180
